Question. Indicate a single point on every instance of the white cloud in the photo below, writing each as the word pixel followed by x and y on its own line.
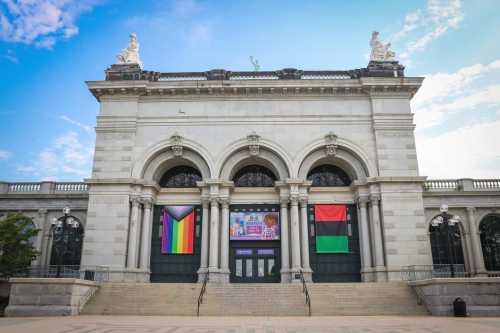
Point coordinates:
pixel 462 153
pixel 438 18
pixel 11 56
pixel 41 22
pixel 443 94
pixel 67 157
pixel 5 155
pixel 86 128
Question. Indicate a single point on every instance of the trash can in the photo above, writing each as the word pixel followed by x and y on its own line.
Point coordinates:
pixel 459 308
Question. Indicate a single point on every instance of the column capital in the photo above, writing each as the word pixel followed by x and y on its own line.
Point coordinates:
pixel 303 201
pixel 205 201
pixel 362 200
pixel 147 202
pixel 374 198
pixel 294 199
pixel 224 201
pixel 214 201
pixel 134 199
pixel 284 202
pixel 471 210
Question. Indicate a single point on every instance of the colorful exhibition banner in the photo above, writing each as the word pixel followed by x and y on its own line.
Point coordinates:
pixel 254 226
pixel 178 230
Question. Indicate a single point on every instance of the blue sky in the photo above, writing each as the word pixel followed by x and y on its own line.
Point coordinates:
pixel 48 48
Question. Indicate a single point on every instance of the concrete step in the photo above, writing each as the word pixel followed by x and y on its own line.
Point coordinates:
pixel 392 298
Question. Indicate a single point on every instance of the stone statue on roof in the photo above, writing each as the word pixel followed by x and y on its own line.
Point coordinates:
pixel 380 52
pixel 130 55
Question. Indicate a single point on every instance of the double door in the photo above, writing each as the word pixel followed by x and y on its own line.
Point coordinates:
pixel 255 263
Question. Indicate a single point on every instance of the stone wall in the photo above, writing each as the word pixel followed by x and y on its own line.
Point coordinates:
pixel 48 297
pixel 482 295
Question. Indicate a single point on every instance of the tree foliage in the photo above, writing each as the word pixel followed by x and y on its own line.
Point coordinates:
pixel 16 249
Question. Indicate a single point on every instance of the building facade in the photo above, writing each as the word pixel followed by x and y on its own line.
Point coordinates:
pixel 234 176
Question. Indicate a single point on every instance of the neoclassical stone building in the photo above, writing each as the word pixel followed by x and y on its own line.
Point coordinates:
pixel 257 162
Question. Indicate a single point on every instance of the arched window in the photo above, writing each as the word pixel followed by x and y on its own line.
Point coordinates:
pixel 254 176
pixel 441 255
pixel 328 175
pixel 489 228
pixel 180 176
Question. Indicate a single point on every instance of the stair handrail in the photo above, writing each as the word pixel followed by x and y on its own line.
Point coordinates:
pixel 202 292
pixel 305 291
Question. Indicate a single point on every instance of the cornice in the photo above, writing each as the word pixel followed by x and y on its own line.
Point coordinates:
pixel 362 87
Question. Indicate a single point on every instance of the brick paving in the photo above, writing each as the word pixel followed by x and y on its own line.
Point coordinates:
pixel 121 324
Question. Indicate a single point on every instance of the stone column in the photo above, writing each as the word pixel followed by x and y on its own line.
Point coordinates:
pixel 224 239
pixel 376 232
pixel 133 230
pixel 364 239
pixel 468 249
pixel 146 234
pixel 295 233
pixel 285 247
pixel 480 269
pixel 39 243
pixel 304 239
pixel 204 240
pixel 214 236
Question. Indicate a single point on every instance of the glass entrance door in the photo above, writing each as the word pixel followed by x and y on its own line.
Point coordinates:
pixel 255 265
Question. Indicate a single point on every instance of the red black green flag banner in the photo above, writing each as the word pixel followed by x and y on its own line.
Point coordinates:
pixel 331 229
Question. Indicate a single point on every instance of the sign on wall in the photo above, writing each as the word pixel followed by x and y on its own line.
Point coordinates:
pixel 254 226
pixel 178 230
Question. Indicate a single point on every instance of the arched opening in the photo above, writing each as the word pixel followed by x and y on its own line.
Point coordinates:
pixel 70 245
pixel 254 176
pixel 181 176
pixel 489 229
pixel 444 253
pixel 328 175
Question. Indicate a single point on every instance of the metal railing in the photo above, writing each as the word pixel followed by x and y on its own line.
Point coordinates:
pixel 90 273
pixel 305 291
pixel 425 272
pixel 202 292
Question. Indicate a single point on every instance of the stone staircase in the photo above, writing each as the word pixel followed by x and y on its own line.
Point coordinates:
pixel 162 299
pixel 364 299
pixel 251 299
pixel 333 299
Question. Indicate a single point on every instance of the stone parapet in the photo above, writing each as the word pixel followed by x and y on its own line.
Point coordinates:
pixel 31 297
pixel 479 294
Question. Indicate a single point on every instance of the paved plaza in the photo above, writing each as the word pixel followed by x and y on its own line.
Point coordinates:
pixel 119 324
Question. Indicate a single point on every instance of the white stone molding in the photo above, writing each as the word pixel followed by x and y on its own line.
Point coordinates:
pixel 265 158
pixel 253 143
pixel 348 156
pixel 271 155
pixel 161 154
pixel 331 144
pixel 176 144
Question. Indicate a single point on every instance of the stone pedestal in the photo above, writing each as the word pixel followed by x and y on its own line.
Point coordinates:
pixel 30 297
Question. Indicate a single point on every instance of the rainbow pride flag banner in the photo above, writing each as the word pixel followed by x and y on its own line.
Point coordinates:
pixel 178 230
